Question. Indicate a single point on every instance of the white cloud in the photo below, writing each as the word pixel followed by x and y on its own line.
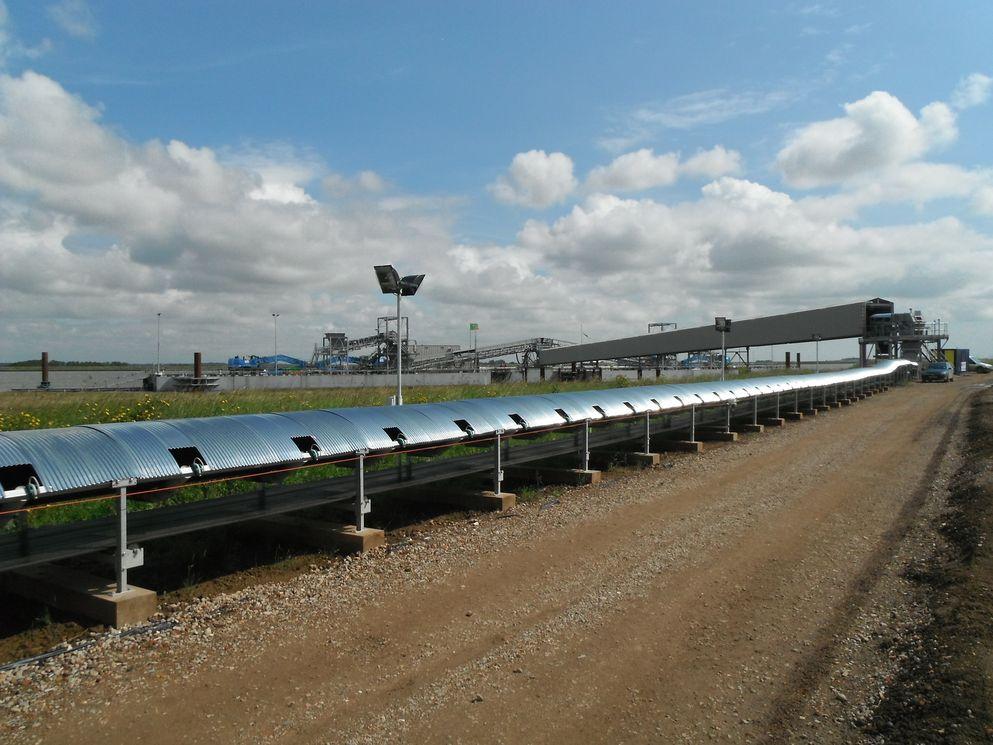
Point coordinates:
pixel 972 90
pixel 876 132
pixel 636 171
pixel 11 48
pixel 643 169
pixel 713 163
pixel 692 110
pixel 75 18
pixel 364 182
pixel 203 237
pixel 536 179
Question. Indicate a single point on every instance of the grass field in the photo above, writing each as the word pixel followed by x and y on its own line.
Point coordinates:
pixel 42 409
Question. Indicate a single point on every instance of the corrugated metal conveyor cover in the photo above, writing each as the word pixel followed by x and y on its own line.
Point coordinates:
pixel 334 435
pixel 684 395
pixel 537 411
pixel 577 405
pixel 665 395
pixel 11 455
pixel 439 423
pixel 373 423
pixel 149 444
pixel 482 420
pixel 74 458
pixel 706 392
pixel 277 432
pixel 619 398
pixel 228 445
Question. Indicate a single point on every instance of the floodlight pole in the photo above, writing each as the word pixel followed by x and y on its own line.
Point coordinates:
pixel 399 355
pixel 158 343
pixel 724 354
pixel 275 346
pixel 817 352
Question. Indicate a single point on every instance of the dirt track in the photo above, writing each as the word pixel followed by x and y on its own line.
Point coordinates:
pixel 684 603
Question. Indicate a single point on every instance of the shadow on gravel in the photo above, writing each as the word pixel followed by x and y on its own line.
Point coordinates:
pixel 943 690
pixel 204 564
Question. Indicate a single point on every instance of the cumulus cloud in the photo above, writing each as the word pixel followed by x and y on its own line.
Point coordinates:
pixel 713 163
pixel 536 179
pixel 973 90
pixel 75 18
pixel 636 171
pixel 107 224
pixel 876 132
pixel 364 182
pixel 643 169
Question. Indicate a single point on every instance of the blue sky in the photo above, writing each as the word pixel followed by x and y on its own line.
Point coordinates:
pixel 386 130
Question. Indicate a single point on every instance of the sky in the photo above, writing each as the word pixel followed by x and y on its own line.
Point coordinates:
pixel 549 166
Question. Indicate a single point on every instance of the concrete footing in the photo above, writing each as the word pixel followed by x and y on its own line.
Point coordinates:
pixel 483 501
pixel 823 407
pixel 809 412
pixel 605 458
pixel 835 404
pixel 752 427
pixel 546 475
pixel 846 401
pixel 773 421
pixel 716 436
pixel 679 446
pixel 317 534
pixel 83 594
pixel 793 416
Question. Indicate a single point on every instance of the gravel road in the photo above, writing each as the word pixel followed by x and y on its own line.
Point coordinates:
pixel 721 597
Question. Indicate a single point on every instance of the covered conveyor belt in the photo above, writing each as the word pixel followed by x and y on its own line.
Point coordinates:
pixel 52 464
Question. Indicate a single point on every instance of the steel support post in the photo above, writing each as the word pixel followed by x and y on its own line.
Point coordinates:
pixel 796 402
pixel 586 445
pixel 811 398
pixel 755 410
pixel 362 505
pixel 126 558
pixel 777 404
pixel 648 431
pixel 727 421
pixel 693 423
pixel 498 467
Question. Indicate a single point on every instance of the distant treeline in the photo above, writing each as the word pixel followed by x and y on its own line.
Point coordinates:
pixel 36 364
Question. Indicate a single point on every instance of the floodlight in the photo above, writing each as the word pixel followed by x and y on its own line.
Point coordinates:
pixel 389 279
pixel 410 283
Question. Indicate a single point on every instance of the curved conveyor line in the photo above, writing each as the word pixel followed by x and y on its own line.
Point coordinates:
pixel 51 463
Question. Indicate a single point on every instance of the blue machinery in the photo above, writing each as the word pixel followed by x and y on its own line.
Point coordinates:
pixel 138 458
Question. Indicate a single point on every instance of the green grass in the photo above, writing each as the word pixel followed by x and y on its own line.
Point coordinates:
pixel 46 409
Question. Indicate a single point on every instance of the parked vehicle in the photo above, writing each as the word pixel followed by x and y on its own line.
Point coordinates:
pixel 939 372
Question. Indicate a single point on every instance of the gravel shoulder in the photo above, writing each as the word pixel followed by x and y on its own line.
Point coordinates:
pixel 730 595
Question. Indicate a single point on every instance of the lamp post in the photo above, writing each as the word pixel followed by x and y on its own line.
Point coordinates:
pixel 817 351
pixel 391 283
pixel 723 324
pixel 275 346
pixel 158 343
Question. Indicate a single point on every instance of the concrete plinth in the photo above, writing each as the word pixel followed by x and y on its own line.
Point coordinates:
pixel 482 501
pixel 716 436
pixel 793 416
pixel 773 421
pixel 317 534
pixel 846 401
pixel 809 412
pixel 645 460
pixel 679 446
pixel 605 458
pixel 835 404
pixel 83 594
pixel 823 407
pixel 546 475
pixel 752 427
